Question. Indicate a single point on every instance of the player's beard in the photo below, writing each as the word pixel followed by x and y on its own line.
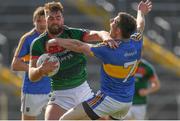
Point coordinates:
pixel 55 29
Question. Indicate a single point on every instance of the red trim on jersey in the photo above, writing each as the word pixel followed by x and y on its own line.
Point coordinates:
pixel 84 35
pixel 34 57
pixel 141 70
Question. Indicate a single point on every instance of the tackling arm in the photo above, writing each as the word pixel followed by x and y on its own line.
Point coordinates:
pixel 72 44
pixel 94 36
pixel 101 36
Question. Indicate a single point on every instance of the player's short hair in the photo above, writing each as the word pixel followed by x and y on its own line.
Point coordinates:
pixel 53 7
pixel 127 24
pixel 38 12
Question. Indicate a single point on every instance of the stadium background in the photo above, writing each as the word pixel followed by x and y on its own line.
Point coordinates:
pixel 161 47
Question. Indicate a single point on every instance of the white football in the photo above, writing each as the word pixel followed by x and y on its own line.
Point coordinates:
pixel 50 58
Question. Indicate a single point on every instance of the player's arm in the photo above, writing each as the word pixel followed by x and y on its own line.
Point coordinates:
pixel 99 36
pixel 143 9
pixel 71 44
pixel 18 64
pixel 36 73
pixel 154 84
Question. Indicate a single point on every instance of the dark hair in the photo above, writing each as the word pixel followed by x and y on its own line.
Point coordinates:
pixel 38 12
pixel 53 7
pixel 127 24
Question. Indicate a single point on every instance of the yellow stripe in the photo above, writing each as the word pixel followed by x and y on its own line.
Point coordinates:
pixel 118 71
pixel 95 100
pixel 26 58
pixel 23 38
pixel 91 54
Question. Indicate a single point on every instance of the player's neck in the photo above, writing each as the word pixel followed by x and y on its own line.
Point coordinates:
pixel 115 36
pixel 39 31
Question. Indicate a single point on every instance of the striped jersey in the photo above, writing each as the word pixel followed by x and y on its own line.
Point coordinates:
pixel 119 67
pixel 23 52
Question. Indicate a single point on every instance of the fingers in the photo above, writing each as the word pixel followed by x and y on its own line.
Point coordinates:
pixel 150 8
pixel 112 44
pixel 48 67
pixel 146 2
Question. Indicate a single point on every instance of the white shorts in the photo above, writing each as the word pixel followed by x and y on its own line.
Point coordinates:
pixel 70 98
pixel 137 112
pixel 103 105
pixel 32 104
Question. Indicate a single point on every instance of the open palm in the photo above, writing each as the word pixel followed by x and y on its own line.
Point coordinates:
pixel 145 7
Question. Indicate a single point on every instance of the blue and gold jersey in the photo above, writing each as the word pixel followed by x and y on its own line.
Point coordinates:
pixel 23 52
pixel 119 67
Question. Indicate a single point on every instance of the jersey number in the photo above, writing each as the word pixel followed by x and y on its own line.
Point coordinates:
pixel 133 65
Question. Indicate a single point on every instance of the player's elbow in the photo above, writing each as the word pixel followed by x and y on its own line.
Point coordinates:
pixel 14 65
pixel 32 77
pixel 157 86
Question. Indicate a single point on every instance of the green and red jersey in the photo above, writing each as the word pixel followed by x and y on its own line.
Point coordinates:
pixel 144 74
pixel 72 72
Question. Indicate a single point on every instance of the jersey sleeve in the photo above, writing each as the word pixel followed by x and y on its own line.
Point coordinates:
pixel 76 33
pixel 152 73
pixel 36 49
pixel 23 47
pixel 137 36
pixel 99 51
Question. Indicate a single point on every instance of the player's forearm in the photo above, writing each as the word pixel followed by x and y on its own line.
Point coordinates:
pixel 140 21
pixel 71 44
pixel 18 65
pixel 35 74
pixel 154 87
pixel 96 36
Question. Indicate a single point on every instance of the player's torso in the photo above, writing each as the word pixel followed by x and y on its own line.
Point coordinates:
pixel 72 70
pixel 118 71
pixel 28 86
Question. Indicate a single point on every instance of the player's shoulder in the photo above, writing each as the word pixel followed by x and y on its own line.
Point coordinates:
pixel 28 35
pixel 147 64
pixel 40 40
pixel 67 28
pixel 100 45
pixel 137 36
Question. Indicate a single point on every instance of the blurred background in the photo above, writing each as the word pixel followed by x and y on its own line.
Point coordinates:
pixel 161 47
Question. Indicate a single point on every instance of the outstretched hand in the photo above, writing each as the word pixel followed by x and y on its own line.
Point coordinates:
pixel 145 7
